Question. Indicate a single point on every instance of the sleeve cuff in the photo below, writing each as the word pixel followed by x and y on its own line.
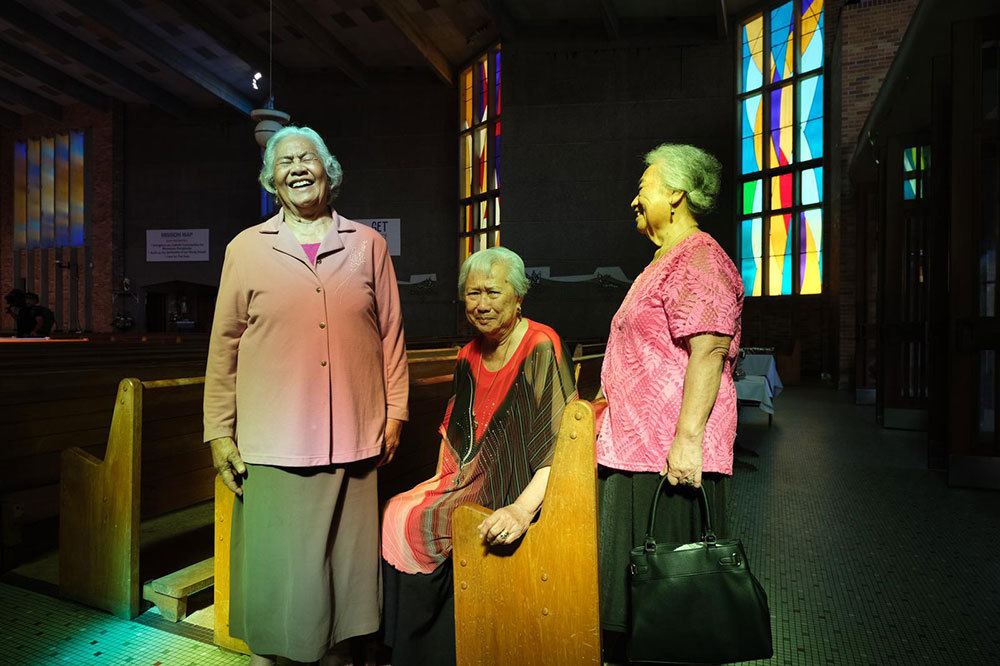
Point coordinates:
pixel 216 433
pixel 398 413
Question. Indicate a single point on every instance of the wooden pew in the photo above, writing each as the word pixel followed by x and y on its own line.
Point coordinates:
pixel 57 395
pixel 535 602
pixel 155 462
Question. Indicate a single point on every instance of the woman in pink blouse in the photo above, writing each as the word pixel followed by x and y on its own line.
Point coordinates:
pixel 667 376
pixel 305 391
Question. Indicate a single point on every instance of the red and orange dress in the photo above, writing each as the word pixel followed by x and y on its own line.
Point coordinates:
pixel 499 429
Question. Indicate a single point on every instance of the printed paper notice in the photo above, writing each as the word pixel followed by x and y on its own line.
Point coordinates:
pixel 389 228
pixel 177 245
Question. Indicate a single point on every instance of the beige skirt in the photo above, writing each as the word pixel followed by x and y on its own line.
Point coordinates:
pixel 305 569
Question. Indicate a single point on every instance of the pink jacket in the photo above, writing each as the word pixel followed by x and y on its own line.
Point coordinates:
pixel 306 362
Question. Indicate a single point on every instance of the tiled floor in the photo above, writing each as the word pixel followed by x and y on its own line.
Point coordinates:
pixel 37 630
pixel 867 557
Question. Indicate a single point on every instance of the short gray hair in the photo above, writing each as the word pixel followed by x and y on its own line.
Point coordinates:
pixel 691 170
pixel 483 261
pixel 334 174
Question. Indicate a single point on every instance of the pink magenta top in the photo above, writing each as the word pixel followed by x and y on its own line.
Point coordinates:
pixel 693 289
pixel 311 250
pixel 306 360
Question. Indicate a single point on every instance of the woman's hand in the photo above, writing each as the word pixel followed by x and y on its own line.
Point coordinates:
pixel 393 429
pixel 684 462
pixel 505 525
pixel 227 462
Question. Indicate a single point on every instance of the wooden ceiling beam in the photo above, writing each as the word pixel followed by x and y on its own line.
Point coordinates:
pixel 12 93
pixel 610 19
pixel 227 37
pixel 395 12
pixel 303 21
pixel 160 49
pixel 62 41
pixel 9 119
pixel 50 76
pixel 721 20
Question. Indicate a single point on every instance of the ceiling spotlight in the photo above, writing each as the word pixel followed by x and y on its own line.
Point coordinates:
pixel 256 77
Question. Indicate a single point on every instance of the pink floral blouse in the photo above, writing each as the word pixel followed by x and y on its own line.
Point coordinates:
pixel 693 289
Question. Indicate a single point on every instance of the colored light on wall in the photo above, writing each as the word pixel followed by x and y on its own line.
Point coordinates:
pixel 20 195
pixel 76 189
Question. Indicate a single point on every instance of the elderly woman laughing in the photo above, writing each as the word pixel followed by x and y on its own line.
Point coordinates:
pixel 499 432
pixel 306 387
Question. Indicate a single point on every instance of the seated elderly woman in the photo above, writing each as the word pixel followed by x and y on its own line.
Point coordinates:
pixel 498 436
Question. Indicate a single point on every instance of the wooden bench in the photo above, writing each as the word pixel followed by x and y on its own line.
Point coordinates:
pixel 43 412
pixel 535 602
pixel 155 462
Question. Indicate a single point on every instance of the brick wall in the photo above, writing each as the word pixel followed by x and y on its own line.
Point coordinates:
pixel 870 33
pixel 81 295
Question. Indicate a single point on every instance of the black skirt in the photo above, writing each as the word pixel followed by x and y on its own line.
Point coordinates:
pixel 419 616
pixel 623 515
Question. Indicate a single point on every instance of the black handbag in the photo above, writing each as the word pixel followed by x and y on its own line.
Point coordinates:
pixel 695 603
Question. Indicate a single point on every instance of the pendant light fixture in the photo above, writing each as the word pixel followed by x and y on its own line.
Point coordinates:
pixel 269 120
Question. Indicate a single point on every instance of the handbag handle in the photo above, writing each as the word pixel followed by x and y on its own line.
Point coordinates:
pixel 708 534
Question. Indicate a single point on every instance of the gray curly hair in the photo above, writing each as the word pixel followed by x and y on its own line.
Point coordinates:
pixel 334 174
pixel 691 170
pixel 483 261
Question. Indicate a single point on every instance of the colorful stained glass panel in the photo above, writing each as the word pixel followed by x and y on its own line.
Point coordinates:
pixel 753 196
pixel 479 164
pixel 752 134
pixel 780 255
pixel 910 189
pixel 811 186
pixel 34 194
pixel 20 195
pixel 781 191
pixel 76 188
pixel 782 118
pixel 465 166
pixel 811 252
pixel 750 256
pixel 497 89
pixel 465 88
pixel 482 91
pixel 811 118
pixel 782 58
pixel 811 44
pixel 752 55
pixel 47 236
pixel 496 156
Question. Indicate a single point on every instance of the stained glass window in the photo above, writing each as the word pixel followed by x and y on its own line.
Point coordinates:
pixel 780 114
pixel 479 134
pixel 916 162
pixel 49 191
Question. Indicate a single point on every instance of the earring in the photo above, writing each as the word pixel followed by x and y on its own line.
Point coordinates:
pixel 671 212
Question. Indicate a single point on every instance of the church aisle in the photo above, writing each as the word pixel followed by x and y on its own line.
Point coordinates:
pixel 37 630
pixel 867 557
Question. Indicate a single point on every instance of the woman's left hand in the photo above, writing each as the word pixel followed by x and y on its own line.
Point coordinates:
pixel 684 462
pixel 505 525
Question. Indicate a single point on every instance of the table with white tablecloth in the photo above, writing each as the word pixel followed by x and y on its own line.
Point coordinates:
pixel 760 384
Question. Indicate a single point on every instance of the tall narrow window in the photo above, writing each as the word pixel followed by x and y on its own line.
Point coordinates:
pixel 479 134
pixel 49 191
pixel 916 162
pixel 780 111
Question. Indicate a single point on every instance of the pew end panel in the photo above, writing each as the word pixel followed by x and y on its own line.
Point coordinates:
pixel 536 602
pixel 99 514
pixel 224 499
